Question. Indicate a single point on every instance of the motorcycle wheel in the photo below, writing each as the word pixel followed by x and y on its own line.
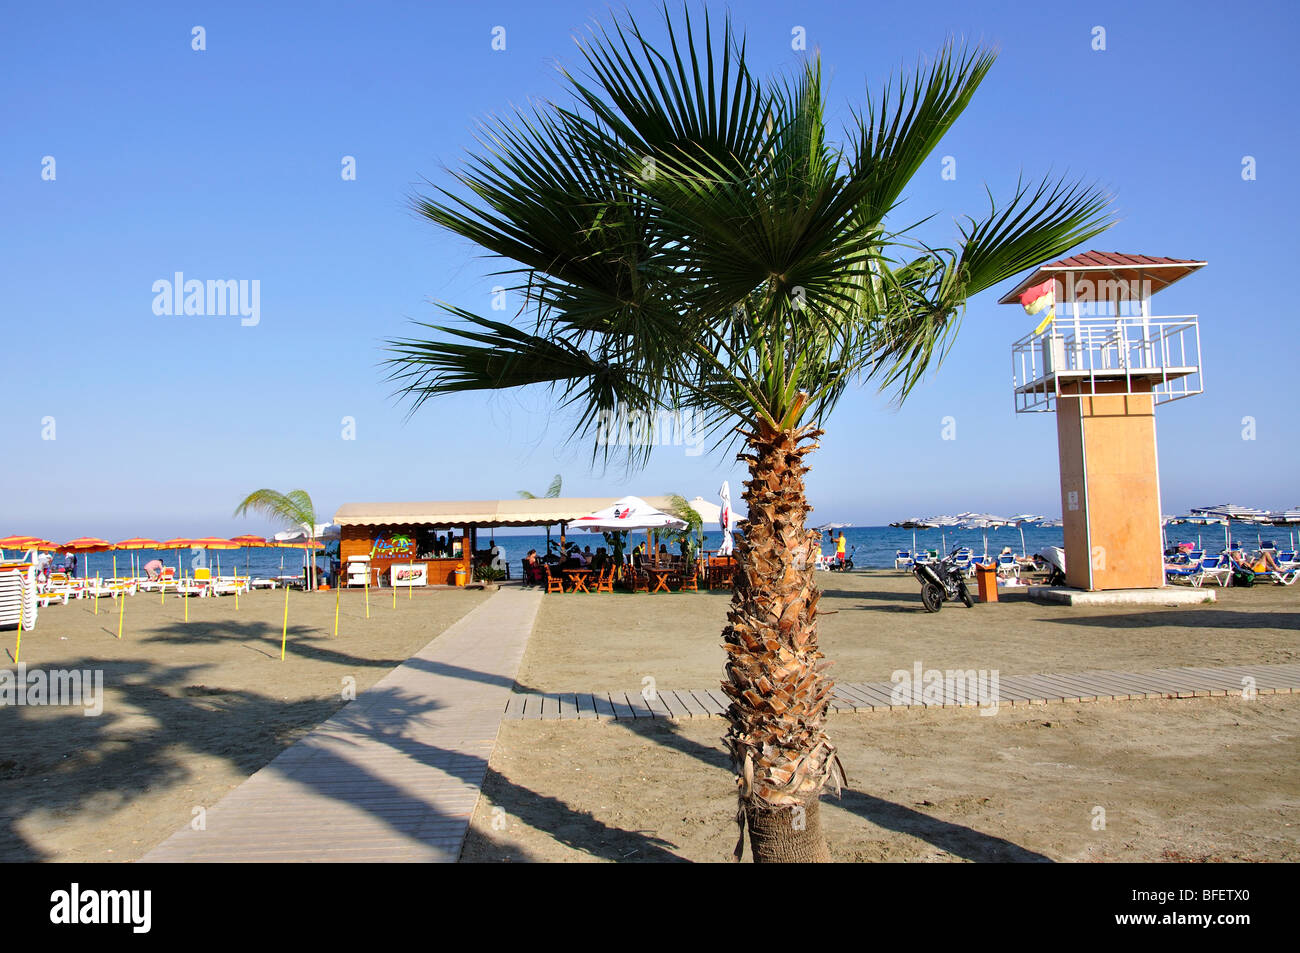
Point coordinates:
pixel 931 597
pixel 966 599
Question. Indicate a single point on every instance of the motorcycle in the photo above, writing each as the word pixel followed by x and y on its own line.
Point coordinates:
pixel 837 566
pixel 942 581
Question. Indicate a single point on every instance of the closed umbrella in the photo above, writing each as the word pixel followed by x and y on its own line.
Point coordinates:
pixel 725 521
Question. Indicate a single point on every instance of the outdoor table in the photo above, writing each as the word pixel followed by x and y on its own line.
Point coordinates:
pixel 578 579
pixel 661 576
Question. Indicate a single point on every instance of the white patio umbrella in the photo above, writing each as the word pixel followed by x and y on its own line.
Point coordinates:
pixel 1285 518
pixel 725 519
pixel 1231 512
pixel 915 523
pixel 986 522
pixel 1019 523
pixel 1203 519
pixel 709 512
pixel 628 514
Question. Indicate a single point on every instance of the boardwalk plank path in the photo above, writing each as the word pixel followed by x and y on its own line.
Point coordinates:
pixel 395 774
pixel 1015 690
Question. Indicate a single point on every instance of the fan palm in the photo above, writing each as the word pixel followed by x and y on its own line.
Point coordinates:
pixel 552 491
pixel 293 510
pixel 686 238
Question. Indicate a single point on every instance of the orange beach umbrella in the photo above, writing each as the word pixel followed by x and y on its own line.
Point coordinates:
pixel 135 542
pixel 249 541
pixel 86 544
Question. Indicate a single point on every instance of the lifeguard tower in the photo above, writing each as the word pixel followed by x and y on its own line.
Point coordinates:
pixel 1103 365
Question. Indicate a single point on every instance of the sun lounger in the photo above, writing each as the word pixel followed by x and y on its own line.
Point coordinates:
pixel 229 585
pixel 198 586
pixel 110 587
pixel 1281 576
pixel 903 559
pixel 1213 568
pixel 165 580
pixel 1186 571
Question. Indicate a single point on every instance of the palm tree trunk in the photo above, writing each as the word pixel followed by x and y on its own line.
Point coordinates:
pixel 775 674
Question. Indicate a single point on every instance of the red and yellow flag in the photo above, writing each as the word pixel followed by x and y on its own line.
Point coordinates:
pixel 1037 298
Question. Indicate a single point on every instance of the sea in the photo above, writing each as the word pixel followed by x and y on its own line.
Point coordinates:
pixel 873 547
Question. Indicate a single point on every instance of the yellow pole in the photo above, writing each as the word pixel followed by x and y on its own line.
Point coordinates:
pixel 367 592
pixel 185 598
pixel 284 633
pixel 121 613
pixel 392 582
pixel 336 610
pixel 96 593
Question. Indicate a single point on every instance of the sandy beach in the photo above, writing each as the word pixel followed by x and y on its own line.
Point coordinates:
pixel 1190 779
pixel 873 624
pixel 191 709
pixel 1201 779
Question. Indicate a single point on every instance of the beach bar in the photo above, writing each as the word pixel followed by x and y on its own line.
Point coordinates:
pixel 426 543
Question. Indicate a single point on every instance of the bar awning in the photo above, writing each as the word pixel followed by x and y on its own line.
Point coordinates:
pixel 465 513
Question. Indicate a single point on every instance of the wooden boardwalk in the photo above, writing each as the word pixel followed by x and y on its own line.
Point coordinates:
pixel 878 696
pixel 395 775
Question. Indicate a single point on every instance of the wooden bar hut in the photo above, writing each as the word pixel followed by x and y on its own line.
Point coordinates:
pixel 442 535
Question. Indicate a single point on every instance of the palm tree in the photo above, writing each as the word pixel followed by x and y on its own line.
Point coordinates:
pixel 679 506
pixel 685 237
pixel 552 491
pixel 293 510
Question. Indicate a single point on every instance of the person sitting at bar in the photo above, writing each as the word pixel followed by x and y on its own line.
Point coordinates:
pixel 600 560
pixel 532 568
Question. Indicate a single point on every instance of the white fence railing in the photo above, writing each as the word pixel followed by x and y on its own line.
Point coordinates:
pixel 1132 354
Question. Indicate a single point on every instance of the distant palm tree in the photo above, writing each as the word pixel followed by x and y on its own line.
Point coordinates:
pixel 294 510
pixel 679 506
pixel 688 239
pixel 552 491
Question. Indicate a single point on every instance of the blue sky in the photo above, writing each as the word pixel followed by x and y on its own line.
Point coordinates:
pixel 225 164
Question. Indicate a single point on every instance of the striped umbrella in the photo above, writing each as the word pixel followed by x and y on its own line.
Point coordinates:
pixel 134 543
pixel 1231 512
pixel 217 543
pixel 86 544
pixel 179 543
pixel 27 543
pixel 249 541
pixel 1285 518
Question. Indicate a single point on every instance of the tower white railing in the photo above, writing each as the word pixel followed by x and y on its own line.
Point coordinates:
pixel 1108 354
